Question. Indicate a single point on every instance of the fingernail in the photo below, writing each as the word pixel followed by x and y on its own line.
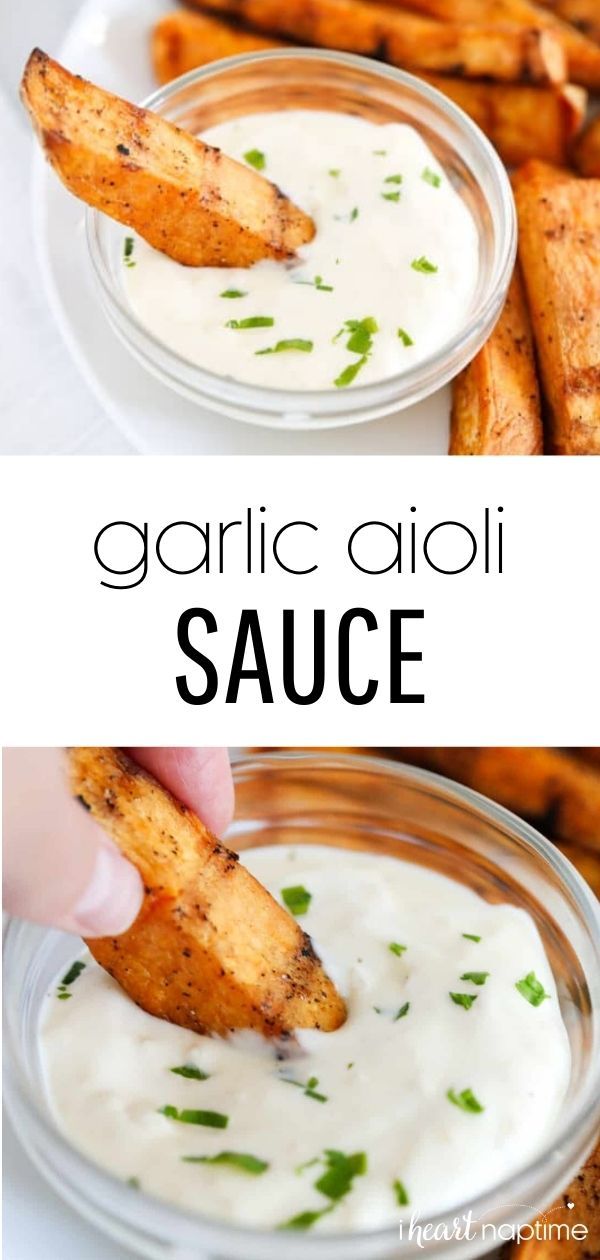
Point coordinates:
pixel 112 898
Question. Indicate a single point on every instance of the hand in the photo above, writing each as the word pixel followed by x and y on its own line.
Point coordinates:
pixel 59 866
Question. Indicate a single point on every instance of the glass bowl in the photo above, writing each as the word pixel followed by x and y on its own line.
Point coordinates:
pixel 315 78
pixel 361 803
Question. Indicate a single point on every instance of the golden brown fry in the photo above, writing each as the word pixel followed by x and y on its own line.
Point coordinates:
pixel 582 54
pixel 584 1192
pixel 496 401
pixel 584 14
pixel 211 949
pixel 405 39
pixel 559 250
pixel 586 153
pixel 548 786
pixel 522 122
pixel 184 197
pixel 181 41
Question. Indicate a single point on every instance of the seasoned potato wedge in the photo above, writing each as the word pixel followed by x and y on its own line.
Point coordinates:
pixel 522 122
pixel 584 14
pixel 496 400
pixel 181 41
pixel 184 197
pixel 584 1193
pixel 586 153
pixel 406 39
pixel 211 949
pixel 559 250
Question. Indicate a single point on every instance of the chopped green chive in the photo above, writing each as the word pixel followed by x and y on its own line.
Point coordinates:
pixel 134 1182
pixel 354 214
pixel 128 245
pixel 466 1100
pixel 73 973
pixel 347 376
pixel 62 997
pixel 235 1159
pixel 405 337
pixel 464 999
pixel 211 1119
pixel 380 152
pixel 475 977
pixel 423 264
pixel 335 172
pixel 430 177
pixel 255 158
pixel 340 1172
pixel 304 1220
pixel 393 179
pixel 292 343
pixel 233 293
pixel 402 1012
pixel 532 989
pixel 318 283
pixel 402 1198
pixel 397 949
pixel 349 1065
pixel 391 196
pixel 190 1072
pixel 253 321
pixel 468 936
pixel 310 1089
pixel 297 899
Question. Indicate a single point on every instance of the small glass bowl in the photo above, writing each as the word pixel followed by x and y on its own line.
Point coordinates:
pixel 359 803
pixel 304 78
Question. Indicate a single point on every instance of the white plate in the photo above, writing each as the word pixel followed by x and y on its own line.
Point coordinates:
pixel 108 42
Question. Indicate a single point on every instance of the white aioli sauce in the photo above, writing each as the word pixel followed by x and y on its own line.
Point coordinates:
pixel 380 202
pixel 108 1063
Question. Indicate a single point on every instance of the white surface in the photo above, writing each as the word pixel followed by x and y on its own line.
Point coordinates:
pixel 48 408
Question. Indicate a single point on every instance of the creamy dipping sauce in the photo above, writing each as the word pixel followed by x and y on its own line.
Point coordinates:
pixel 388 279
pixel 439 1098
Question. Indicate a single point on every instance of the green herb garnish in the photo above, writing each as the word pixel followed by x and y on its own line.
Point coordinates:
pixel 128 245
pixel 464 999
pixel 532 989
pixel 133 1182
pixel 347 376
pixel 423 264
pixel 335 172
pixel 405 338
pixel 391 196
pixel 304 1220
pixel 233 293
pixel 255 158
pixel 341 1169
pixel 190 1072
pixel 297 899
pixel 430 177
pixel 318 284
pixel 475 977
pixel 402 1198
pixel 402 1012
pixel 211 1119
pixel 236 1159
pixel 253 321
pixel 466 1100
pixel 380 152
pixel 310 1089
pixel 397 949
pixel 73 973
pixel 292 343
pixel 62 997
pixel 354 214
pixel 393 179
pixel 470 937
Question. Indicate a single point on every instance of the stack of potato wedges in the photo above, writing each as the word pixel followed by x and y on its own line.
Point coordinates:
pixel 524 71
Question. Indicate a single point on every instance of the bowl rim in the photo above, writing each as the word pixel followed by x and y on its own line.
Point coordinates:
pixel 403 387
pixel 579 1129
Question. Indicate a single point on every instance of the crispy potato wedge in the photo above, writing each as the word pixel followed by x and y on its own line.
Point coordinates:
pixel 405 39
pixel 584 14
pixel 184 197
pixel 559 250
pixel 552 788
pixel 580 51
pixel 586 152
pixel 181 41
pixel 522 122
pixel 210 949
pixel 584 1193
pixel 495 400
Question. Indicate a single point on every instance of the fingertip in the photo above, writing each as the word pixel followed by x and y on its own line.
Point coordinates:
pixel 199 777
pixel 111 899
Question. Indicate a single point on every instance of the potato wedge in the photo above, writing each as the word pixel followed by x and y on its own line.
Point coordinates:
pixel 584 14
pixel 184 197
pixel 559 250
pixel 181 41
pixel 496 400
pixel 580 51
pixel 405 39
pixel 584 1193
pixel 522 122
pixel 586 153
pixel 211 949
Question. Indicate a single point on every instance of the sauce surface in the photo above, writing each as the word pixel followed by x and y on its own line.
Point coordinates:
pixel 438 1097
pixel 387 280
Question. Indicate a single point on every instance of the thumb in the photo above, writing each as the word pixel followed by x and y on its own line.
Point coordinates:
pixel 59 867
